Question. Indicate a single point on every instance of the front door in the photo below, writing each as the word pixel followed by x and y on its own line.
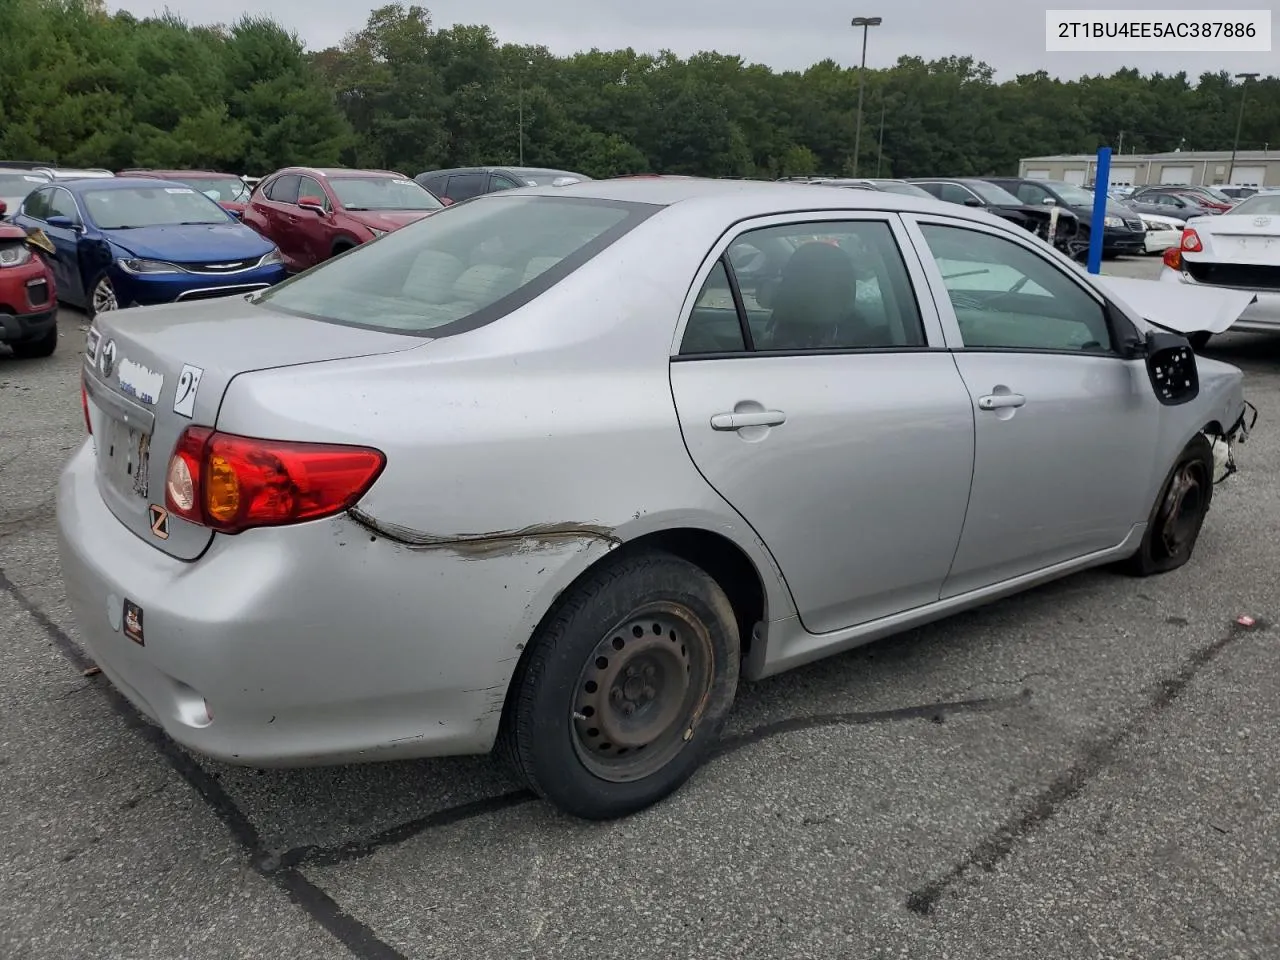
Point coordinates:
pixel 1066 429
pixel 814 395
pixel 67 269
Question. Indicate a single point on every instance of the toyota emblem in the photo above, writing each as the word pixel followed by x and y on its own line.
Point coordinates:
pixel 1262 221
pixel 108 358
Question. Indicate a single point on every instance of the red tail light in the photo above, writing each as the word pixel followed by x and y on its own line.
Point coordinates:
pixel 84 405
pixel 1191 240
pixel 1173 258
pixel 231 483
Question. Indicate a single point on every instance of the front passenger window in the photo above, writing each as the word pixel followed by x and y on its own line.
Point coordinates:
pixel 1007 297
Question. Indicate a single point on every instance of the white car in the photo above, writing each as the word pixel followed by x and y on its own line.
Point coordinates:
pixel 1239 250
pixel 1162 232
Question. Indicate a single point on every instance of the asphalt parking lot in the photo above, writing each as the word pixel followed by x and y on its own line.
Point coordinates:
pixel 1088 770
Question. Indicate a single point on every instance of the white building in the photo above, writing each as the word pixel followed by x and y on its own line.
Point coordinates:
pixel 1253 168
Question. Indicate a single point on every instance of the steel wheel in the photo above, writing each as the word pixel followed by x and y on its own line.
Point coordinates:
pixel 641 692
pixel 103 297
pixel 1182 509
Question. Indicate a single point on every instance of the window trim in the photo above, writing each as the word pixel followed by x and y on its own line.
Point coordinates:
pixel 80 219
pixel 942 299
pixel 930 319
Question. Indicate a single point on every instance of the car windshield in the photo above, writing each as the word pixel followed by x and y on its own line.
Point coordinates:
pixel 996 196
pixel 1070 194
pixel 549 178
pixel 466 266
pixel 382 193
pixel 1260 204
pixel 220 189
pixel 906 189
pixel 159 206
pixel 19 184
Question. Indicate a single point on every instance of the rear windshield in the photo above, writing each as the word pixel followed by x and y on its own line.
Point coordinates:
pixel 460 268
pixel 549 178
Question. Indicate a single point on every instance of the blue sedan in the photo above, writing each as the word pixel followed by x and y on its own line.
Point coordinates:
pixel 133 241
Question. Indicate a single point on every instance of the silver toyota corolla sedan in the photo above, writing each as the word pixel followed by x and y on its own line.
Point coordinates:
pixel 551 470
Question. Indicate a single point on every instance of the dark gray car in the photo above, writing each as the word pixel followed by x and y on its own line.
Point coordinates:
pixel 1167 203
pixel 463 183
pixel 1123 231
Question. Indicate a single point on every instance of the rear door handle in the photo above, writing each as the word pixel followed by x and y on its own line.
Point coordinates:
pixel 750 418
pixel 998 401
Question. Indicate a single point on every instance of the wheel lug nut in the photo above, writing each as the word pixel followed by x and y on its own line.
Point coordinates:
pixel 616 693
pixel 648 672
pixel 629 709
pixel 649 693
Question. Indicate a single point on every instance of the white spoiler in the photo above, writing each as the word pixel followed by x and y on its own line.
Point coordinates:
pixel 1179 306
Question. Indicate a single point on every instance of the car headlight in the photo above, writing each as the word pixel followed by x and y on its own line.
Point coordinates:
pixel 135 266
pixel 272 258
pixel 376 232
pixel 15 256
pixel 1114 221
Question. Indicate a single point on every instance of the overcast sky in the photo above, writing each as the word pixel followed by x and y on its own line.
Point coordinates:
pixel 1008 34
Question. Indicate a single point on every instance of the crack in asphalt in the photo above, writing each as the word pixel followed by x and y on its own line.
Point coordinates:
pixel 1096 755
pixel 285 869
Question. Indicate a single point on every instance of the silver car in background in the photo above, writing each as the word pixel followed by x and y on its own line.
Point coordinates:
pixel 551 470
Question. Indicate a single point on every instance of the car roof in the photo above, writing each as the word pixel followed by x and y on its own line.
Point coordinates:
pixel 163 174
pixel 338 172
pixel 742 199
pixel 111 183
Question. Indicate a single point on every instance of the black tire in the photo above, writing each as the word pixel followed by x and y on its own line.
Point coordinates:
pixel 1178 514
pixel 34 349
pixel 555 720
pixel 1199 340
pixel 342 246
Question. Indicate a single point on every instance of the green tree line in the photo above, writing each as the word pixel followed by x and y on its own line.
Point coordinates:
pixel 80 85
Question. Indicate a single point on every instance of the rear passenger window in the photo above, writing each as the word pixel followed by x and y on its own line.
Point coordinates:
pixel 464 186
pixel 834 285
pixel 284 189
pixel 714 326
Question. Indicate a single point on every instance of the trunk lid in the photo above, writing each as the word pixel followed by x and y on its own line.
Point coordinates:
pixel 151 372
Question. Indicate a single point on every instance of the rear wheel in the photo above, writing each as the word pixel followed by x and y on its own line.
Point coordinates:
pixel 1178 515
pixel 42 347
pixel 625 687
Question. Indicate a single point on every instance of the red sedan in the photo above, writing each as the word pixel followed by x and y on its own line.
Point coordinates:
pixel 225 189
pixel 313 214
pixel 28 299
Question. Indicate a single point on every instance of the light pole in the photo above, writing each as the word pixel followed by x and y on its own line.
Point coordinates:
pixel 866 23
pixel 1244 87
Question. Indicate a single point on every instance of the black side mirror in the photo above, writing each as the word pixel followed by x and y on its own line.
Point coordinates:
pixel 1171 367
pixel 972 202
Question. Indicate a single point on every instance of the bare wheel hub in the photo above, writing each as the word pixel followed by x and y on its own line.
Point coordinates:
pixel 1182 506
pixel 641 691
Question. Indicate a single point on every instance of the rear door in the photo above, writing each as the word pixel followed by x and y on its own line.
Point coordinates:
pixel 1065 427
pixel 821 404
pixel 281 212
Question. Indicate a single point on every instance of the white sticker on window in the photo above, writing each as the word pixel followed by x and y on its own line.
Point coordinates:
pixel 184 398
pixel 407 183
pixel 178 190
pixel 35 179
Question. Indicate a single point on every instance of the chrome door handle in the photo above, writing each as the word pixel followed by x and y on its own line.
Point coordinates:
pixel 998 401
pixel 751 418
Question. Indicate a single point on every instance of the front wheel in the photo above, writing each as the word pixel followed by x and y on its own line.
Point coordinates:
pixel 625 688
pixel 102 296
pixel 1178 515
